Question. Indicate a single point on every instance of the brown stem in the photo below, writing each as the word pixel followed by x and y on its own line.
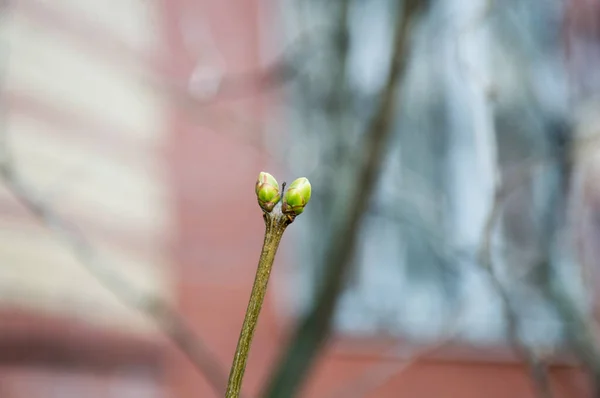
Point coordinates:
pixel 275 224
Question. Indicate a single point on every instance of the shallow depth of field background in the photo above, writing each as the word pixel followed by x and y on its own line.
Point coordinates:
pixel 131 135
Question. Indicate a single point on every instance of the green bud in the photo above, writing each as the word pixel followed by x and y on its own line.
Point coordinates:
pixel 267 191
pixel 296 197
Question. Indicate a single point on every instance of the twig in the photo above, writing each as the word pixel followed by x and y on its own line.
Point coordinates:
pixel 378 374
pixel 275 224
pixel 275 75
pixel 501 191
pixel 537 368
pixel 166 318
pixel 314 328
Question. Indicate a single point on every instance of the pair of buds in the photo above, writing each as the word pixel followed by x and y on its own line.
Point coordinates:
pixel 294 200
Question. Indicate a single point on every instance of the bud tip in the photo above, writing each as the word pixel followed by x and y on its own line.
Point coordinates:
pixel 297 196
pixel 267 191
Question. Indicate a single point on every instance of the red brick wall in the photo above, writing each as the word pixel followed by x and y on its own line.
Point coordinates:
pixel 219 224
pixel 220 234
pixel 213 163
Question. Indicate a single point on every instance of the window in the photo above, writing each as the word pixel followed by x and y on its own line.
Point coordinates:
pixel 472 109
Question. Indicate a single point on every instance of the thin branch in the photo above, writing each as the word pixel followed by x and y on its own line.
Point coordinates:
pixel 152 306
pixel 275 225
pixel 501 191
pixel 313 330
pixel 377 375
pixel 283 70
pixel 165 317
pixel 537 368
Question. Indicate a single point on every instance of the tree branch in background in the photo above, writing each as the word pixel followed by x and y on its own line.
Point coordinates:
pixel 502 190
pixel 578 321
pixel 377 375
pixel 165 317
pixel 537 368
pixel 314 328
pixel 275 75
pixel 338 100
pixel 578 329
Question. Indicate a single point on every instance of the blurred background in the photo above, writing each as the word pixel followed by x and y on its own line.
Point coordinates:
pixel 450 248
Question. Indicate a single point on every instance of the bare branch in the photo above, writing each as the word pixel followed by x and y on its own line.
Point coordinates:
pixel 314 328
pixel 502 189
pixel 152 306
pixel 275 75
pixel 379 374
pixel 537 368
pixel 165 317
